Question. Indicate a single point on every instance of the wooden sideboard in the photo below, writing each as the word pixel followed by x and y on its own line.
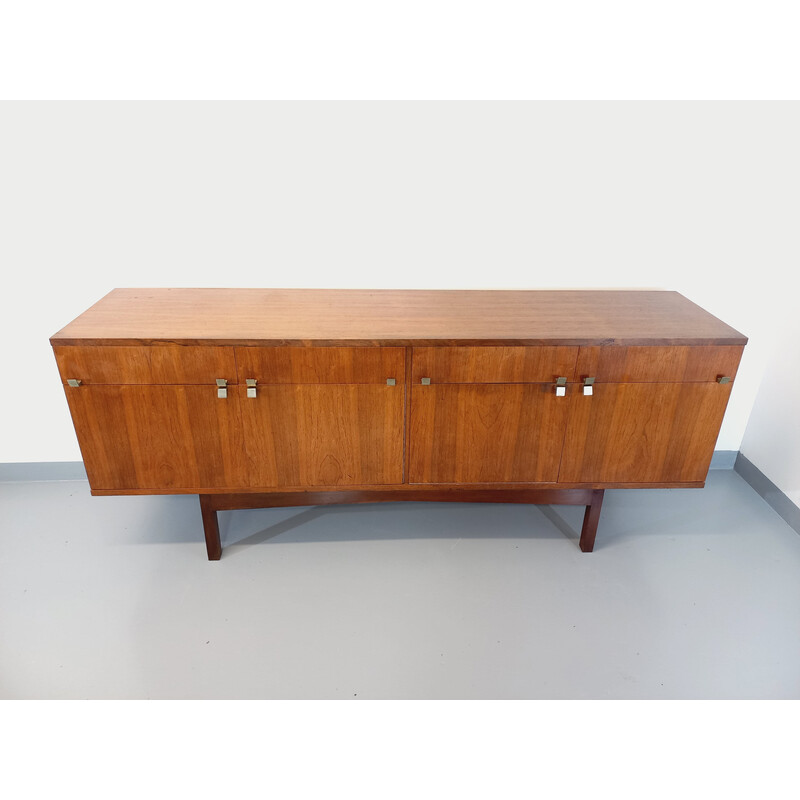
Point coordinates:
pixel 279 397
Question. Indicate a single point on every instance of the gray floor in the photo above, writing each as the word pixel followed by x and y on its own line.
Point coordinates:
pixel 689 594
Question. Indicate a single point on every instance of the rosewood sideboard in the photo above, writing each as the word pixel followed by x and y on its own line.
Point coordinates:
pixel 277 397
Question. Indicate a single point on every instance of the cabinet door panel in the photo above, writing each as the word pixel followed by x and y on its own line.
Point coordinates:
pixel 484 433
pixel 324 435
pixel 158 437
pixel 643 432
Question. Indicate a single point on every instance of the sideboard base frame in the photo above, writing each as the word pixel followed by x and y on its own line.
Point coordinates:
pixel 211 503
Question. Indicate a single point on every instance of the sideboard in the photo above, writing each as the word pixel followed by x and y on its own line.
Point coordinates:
pixel 287 397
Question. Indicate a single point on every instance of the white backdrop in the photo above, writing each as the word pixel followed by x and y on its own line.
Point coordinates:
pixel 697 197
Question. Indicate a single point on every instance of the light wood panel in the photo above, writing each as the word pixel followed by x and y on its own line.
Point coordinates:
pixel 647 432
pixel 462 433
pixel 493 364
pixel 158 437
pixel 658 364
pixel 324 435
pixel 351 317
pixel 163 364
pixel 299 365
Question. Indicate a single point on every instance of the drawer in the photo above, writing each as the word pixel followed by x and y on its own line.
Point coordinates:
pixel 298 365
pixel 156 364
pixel 493 364
pixel 658 364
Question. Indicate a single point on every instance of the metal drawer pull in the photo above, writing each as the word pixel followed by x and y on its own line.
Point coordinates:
pixel 561 387
pixel 587 386
pixel 73 383
pixel 391 382
pixel 723 379
pixel 222 388
pixel 426 381
pixel 251 386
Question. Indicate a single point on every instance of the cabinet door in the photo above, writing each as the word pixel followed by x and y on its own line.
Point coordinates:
pixel 158 437
pixel 642 432
pixel 486 433
pixel 324 434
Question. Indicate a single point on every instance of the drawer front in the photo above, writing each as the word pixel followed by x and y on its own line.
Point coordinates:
pixel 493 364
pixel 158 364
pixel 307 365
pixel 657 364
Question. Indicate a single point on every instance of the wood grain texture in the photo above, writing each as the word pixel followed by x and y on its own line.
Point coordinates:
pixel 158 437
pixel 298 365
pixel 493 364
pixel 165 364
pixel 211 528
pixel 400 317
pixel 649 432
pixel 590 520
pixel 314 435
pixel 472 433
pixel 657 364
pixel 232 502
pixel 401 489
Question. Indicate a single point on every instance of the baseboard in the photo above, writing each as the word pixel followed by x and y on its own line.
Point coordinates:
pixel 723 459
pixel 769 491
pixel 24 472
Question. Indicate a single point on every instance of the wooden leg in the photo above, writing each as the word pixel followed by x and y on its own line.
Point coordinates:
pixel 590 520
pixel 211 527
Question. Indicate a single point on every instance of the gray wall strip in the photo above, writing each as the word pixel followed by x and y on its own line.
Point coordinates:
pixel 769 491
pixel 42 471
pixel 723 459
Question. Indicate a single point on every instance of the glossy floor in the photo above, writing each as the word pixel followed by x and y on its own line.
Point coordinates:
pixel 689 594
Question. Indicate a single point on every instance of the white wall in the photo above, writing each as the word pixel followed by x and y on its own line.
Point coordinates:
pixel 772 437
pixel 697 197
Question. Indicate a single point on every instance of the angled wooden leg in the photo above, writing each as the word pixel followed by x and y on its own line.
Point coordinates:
pixel 211 527
pixel 590 520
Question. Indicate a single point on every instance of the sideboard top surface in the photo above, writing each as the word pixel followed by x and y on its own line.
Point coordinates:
pixel 395 317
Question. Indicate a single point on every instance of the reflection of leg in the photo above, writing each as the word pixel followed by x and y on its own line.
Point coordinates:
pixel 590 520
pixel 211 527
